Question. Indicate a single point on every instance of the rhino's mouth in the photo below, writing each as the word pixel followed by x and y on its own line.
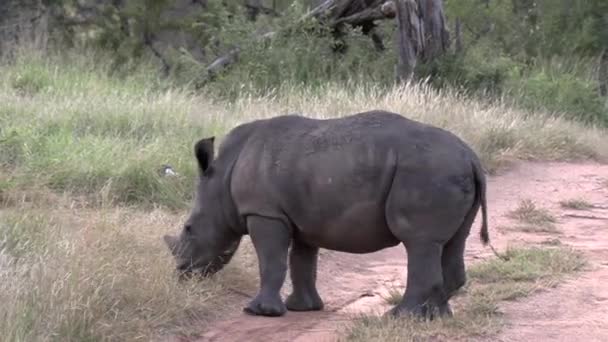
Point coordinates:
pixel 204 268
pixel 188 269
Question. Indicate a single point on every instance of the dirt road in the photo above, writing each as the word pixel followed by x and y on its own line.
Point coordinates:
pixel 577 309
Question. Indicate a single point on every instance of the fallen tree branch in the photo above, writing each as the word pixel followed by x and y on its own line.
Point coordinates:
pixel 332 13
pixel 370 14
pixel 223 61
pixel 229 58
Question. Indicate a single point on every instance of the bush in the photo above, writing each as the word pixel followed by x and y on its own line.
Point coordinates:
pixel 479 69
pixel 30 80
pixel 563 93
pixel 304 55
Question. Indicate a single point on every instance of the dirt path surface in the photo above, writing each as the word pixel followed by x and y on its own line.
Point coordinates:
pixel 576 309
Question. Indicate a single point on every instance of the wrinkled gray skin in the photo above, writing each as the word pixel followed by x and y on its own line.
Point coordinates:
pixel 356 184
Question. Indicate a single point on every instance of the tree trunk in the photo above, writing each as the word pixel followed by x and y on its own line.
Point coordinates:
pixel 458 35
pixel 603 73
pixel 421 34
pixel 436 36
pixel 408 38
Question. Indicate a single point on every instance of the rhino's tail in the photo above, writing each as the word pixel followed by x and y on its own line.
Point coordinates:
pixel 480 185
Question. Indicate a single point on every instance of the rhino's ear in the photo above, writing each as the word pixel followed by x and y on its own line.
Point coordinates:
pixel 204 150
pixel 171 242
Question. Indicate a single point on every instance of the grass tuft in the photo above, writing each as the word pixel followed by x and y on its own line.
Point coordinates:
pixel 478 313
pixel 552 242
pixel 527 265
pixel 393 296
pixel 576 204
pixel 535 219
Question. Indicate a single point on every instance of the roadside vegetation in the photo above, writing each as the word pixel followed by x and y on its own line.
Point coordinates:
pixel 67 125
pixel 88 119
pixel 83 205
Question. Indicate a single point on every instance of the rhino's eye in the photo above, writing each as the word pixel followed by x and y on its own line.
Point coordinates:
pixel 188 228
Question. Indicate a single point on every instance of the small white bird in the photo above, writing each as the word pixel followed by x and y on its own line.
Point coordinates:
pixel 167 170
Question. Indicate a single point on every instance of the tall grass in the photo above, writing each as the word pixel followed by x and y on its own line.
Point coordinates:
pixel 84 275
pixel 82 206
pixel 67 125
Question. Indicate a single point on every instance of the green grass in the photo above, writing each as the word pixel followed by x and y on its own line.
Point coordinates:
pixel 526 271
pixel 528 265
pixel 576 204
pixel 68 125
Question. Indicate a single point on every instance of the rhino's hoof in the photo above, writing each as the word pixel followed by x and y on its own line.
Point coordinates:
pixel 309 302
pixel 446 310
pixel 272 308
pixel 425 312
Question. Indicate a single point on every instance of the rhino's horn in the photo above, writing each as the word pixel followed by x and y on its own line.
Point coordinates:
pixel 171 242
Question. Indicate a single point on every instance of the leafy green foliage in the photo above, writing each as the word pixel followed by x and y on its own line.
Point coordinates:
pixel 303 56
pixel 538 53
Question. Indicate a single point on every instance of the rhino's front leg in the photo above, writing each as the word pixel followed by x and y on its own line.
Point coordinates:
pixel 303 269
pixel 271 241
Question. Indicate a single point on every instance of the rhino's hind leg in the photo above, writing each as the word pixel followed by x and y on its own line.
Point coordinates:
pixel 303 271
pixel 271 242
pixel 424 295
pixel 452 258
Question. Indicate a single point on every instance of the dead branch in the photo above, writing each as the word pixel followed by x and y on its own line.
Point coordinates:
pixel 331 12
pixel 367 15
pixel 603 73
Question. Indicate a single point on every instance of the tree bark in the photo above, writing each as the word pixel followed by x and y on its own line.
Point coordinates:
pixel 603 73
pixel 458 35
pixel 408 38
pixel 421 34
pixel 436 36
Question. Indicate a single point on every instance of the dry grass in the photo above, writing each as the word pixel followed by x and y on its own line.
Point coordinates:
pixel 552 242
pixel 394 296
pixel 477 310
pixel 576 204
pixel 534 219
pixel 104 274
pixel 543 228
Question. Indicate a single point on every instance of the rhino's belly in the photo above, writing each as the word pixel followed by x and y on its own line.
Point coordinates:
pixel 358 228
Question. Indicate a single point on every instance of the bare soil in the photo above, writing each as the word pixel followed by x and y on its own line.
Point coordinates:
pixel 576 309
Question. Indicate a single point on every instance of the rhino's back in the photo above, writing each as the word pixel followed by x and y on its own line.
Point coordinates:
pixel 331 176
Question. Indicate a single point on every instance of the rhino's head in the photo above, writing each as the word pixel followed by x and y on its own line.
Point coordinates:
pixel 205 244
